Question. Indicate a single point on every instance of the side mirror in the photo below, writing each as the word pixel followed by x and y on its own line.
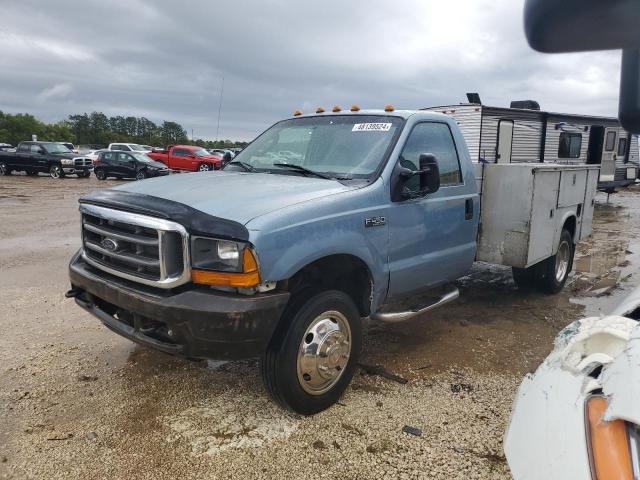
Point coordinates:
pixel 581 25
pixel 429 173
pixel 587 25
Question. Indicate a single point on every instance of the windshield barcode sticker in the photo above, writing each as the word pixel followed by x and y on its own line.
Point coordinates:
pixel 371 127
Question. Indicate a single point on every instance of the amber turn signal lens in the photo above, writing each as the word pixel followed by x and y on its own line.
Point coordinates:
pixel 610 454
pixel 320 110
pixel 297 113
pixel 355 108
pixel 250 276
pixel 388 108
pixel 337 109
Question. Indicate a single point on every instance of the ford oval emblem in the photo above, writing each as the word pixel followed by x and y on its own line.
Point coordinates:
pixel 109 244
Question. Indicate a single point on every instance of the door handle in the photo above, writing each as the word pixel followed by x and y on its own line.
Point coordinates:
pixel 468 209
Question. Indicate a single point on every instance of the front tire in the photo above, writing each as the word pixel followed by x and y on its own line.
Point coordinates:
pixel 555 270
pixel 56 172
pixel 313 354
pixel 141 175
pixel 4 169
pixel 204 167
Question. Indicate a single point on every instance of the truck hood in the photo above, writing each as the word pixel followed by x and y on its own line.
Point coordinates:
pixel 236 196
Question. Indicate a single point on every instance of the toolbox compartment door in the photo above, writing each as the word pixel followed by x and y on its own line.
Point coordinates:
pixel 572 187
pixel 589 203
pixel 544 223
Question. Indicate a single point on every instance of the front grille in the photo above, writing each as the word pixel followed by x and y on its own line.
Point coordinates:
pixel 82 162
pixel 140 248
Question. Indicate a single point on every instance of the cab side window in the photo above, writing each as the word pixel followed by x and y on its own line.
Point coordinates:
pixel 178 152
pixel 435 138
pixel 24 147
pixel 124 157
pixel 108 156
pixel 36 149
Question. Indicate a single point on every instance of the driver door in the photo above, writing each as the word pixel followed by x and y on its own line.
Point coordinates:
pixel 432 237
pixel 125 165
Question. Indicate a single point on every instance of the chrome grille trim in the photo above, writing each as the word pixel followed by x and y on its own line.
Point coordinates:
pixel 82 162
pixel 168 234
pixel 110 232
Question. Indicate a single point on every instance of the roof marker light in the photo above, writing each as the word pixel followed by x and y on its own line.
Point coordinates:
pixel 337 109
pixel 355 108
pixel 388 108
pixel 320 110
pixel 297 113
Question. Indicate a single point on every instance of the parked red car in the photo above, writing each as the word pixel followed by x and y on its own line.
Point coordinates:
pixel 187 157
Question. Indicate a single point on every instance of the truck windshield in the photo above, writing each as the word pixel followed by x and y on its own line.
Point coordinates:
pixel 55 148
pixel 343 146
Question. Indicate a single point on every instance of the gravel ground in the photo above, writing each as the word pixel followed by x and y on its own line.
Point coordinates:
pixel 77 401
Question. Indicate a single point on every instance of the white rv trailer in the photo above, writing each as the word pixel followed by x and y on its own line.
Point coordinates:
pixel 514 135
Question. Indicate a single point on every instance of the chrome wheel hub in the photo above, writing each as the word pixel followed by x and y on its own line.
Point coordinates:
pixel 562 260
pixel 204 168
pixel 324 352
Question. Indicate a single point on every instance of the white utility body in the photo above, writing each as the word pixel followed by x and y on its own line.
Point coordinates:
pixel 525 206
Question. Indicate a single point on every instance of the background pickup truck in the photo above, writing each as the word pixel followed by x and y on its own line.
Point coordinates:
pixel 323 220
pixel 187 157
pixel 49 157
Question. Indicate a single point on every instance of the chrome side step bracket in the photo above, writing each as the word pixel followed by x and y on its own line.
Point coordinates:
pixel 448 294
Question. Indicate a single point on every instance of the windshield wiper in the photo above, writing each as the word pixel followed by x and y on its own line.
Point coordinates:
pixel 247 166
pixel 298 168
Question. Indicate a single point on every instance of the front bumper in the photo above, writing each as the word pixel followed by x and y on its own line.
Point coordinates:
pixel 192 322
pixel 158 173
pixel 72 170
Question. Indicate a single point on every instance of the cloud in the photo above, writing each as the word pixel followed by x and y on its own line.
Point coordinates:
pixel 165 60
pixel 59 91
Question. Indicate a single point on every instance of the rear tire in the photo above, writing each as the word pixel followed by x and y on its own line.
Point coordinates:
pixel 314 352
pixel 555 270
pixel 4 169
pixel 100 174
pixel 56 172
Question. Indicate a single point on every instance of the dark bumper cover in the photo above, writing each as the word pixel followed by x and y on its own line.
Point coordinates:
pixel 195 323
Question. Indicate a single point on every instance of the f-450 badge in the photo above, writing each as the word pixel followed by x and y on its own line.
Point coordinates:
pixel 375 222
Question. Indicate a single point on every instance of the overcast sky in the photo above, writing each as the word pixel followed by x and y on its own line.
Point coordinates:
pixel 165 59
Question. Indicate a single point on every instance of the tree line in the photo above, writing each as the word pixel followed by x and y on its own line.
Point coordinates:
pixel 100 130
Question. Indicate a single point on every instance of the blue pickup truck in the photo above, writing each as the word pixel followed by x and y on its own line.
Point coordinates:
pixel 323 220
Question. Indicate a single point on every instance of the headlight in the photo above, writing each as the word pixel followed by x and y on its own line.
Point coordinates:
pixel 212 254
pixel 223 263
pixel 66 161
pixel 613 446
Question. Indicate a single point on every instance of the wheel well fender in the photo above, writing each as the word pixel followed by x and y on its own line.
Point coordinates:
pixel 569 222
pixel 344 272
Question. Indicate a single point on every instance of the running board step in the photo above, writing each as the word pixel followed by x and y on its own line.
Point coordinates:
pixel 445 295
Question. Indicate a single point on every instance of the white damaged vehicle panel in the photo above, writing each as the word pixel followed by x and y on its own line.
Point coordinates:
pixel 549 435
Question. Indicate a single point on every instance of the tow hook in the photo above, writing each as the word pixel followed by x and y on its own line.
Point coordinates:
pixel 73 293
